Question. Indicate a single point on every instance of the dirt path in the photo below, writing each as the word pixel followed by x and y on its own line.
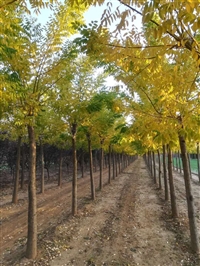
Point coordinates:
pixel 128 224
pixel 125 227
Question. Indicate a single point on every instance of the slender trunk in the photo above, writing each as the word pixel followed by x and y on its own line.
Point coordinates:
pixel 17 172
pixel 116 168
pixel 171 185
pixel 159 170
pixel 101 168
pixel 198 161
pixel 113 159
pixel 74 178
pixel 154 168
pixel 149 158
pixel 119 162
pixel 92 184
pixel 48 175
pixel 189 196
pixel 23 167
pixel 150 163
pixel 60 168
pixel 42 167
pixel 123 165
pixel 165 174
pixel 180 164
pixel 31 249
pixel 82 163
pixel 109 165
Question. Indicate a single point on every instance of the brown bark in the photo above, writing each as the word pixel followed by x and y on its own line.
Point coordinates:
pixel 101 168
pixel 119 162
pixel 109 165
pixel 179 159
pixel 17 172
pixel 92 184
pixel 31 249
pixel 48 175
pixel 154 168
pixel 150 163
pixel 82 163
pixel 113 159
pixel 165 174
pixel 173 165
pixel 74 178
pixel 171 185
pixel 189 196
pixel 116 167
pixel 159 171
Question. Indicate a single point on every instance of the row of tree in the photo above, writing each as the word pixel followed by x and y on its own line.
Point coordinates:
pixel 50 87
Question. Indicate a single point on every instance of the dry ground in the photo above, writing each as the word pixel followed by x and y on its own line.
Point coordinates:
pixel 128 224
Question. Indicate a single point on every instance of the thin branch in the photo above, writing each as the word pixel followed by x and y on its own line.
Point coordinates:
pixel 139 46
pixel 148 97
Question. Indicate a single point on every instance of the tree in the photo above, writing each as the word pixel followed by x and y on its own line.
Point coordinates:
pixel 38 62
pixel 74 95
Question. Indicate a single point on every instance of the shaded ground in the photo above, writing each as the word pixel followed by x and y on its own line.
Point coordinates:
pixel 128 224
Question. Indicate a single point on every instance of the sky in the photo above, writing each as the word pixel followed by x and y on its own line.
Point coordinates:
pixel 92 14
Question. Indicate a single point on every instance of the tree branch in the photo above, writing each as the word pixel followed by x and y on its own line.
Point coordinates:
pixel 139 46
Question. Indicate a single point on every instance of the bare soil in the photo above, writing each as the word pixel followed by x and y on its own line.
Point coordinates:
pixel 128 224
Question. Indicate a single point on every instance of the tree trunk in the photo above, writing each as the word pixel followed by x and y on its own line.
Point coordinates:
pixel 113 159
pixel 82 163
pixel 48 175
pixel 198 161
pixel 150 163
pixel 119 162
pixel 154 168
pixel 179 158
pixel 23 167
pixel 171 185
pixel 109 165
pixel 42 167
pixel 92 184
pixel 31 249
pixel 101 168
pixel 74 178
pixel 159 171
pixel 189 196
pixel 17 172
pixel 116 168
pixel 165 174
pixel 60 168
